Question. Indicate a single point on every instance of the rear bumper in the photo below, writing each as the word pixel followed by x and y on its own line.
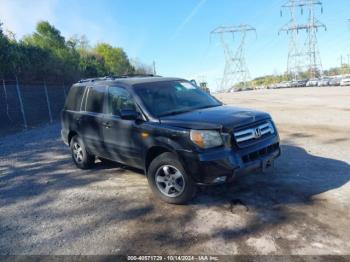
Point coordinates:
pixel 64 136
pixel 223 165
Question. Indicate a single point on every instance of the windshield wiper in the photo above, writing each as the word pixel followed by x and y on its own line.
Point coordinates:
pixel 204 107
pixel 172 113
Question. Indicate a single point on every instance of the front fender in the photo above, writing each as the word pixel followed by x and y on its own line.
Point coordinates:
pixel 175 145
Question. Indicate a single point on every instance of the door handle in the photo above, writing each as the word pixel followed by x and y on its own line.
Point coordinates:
pixel 106 125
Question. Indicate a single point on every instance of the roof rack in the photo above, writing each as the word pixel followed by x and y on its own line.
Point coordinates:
pixel 137 75
pixel 94 79
pixel 115 77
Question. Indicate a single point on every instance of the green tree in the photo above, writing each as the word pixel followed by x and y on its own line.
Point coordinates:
pixel 62 60
pixel 92 65
pixel 46 54
pixel 46 37
pixel 116 60
pixel 4 53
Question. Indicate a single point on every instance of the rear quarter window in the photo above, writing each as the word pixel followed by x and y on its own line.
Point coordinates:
pixel 74 98
pixel 95 99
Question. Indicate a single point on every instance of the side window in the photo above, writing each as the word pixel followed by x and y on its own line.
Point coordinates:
pixel 119 99
pixel 74 98
pixel 95 99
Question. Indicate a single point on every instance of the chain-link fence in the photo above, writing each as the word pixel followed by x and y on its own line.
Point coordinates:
pixel 28 104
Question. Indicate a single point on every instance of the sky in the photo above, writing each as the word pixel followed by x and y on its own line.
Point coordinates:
pixel 175 33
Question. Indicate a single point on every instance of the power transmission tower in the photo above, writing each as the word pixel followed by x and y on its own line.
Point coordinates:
pixel 236 70
pixel 154 68
pixel 304 57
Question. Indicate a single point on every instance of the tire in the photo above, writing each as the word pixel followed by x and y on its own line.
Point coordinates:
pixel 166 174
pixel 81 158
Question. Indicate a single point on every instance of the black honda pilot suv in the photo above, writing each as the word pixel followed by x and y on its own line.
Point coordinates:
pixel 179 135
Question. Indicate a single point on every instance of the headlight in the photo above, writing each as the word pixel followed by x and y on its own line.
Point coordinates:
pixel 206 139
pixel 271 125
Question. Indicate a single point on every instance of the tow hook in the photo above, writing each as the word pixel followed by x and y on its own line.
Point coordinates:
pixel 267 164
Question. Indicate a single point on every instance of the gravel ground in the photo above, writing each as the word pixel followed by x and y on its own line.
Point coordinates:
pixel 47 206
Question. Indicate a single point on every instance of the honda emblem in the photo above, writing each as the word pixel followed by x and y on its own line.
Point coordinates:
pixel 257 132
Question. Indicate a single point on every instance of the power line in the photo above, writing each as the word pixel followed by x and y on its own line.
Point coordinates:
pixel 236 70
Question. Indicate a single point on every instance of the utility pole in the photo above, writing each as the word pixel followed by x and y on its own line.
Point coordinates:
pixel 236 70
pixel 154 68
pixel 304 57
pixel 341 61
pixel 344 65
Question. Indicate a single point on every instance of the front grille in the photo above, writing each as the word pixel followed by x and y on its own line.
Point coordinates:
pixel 260 153
pixel 254 133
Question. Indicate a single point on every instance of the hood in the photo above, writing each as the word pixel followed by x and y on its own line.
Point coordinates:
pixel 222 117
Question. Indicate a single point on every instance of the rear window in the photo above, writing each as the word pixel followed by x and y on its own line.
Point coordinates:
pixel 95 99
pixel 74 98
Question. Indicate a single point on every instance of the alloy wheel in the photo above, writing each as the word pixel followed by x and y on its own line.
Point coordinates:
pixel 170 181
pixel 78 152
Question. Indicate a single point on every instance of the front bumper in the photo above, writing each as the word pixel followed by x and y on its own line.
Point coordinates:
pixel 205 168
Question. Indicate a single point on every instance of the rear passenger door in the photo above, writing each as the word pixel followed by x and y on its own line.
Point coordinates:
pixel 121 136
pixel 92 120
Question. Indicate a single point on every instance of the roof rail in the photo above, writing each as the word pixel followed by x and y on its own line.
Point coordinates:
pixel 137 75
pixel 94 79
pixel 115 77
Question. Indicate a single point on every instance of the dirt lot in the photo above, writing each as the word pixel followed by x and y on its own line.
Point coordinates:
pixel 47 206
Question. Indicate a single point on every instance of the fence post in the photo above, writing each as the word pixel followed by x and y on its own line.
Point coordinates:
pixel 64 90
pixel 6 99
pixel 21 103
pixel 48 101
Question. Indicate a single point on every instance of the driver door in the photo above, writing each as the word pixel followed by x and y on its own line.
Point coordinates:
pixel 121 136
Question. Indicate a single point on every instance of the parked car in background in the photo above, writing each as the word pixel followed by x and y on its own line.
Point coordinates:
pixel 204 86
pixel 324 82
pixel 294 83
pixel 335 81
pixel 302 83
pixel 345 81
pixel 284 84
pixel 312 82
pixel 272 86
pixel 260 87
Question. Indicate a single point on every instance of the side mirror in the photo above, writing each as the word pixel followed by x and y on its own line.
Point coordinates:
pixel 193 82
pixel 129 114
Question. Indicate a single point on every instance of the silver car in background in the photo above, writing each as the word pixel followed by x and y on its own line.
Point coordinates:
pixel 324 82
pixel 335 81
pixel 345 81
pixel 312 82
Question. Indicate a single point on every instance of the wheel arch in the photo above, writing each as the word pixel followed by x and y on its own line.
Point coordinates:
pixel 71 134
pixel 154 152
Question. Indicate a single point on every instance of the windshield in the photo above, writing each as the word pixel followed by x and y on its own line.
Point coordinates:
pixel 173 97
